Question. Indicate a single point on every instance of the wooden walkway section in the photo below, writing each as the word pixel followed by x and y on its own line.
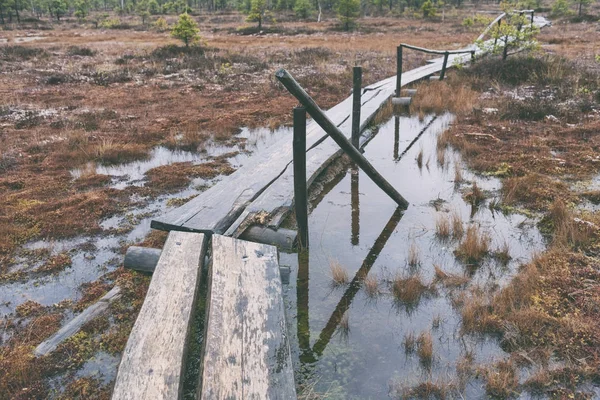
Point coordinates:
pixel 152 365
pixel 246 352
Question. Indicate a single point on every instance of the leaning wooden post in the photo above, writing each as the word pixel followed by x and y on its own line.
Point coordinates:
pixel 300 191
pixel 398 70
pixel 338 136
pixel 356 94
pixel 443 73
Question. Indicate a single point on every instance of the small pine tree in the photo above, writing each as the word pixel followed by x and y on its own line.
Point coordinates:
pixel 560 8
pixel 428 9
pixel 258 12
pixel 303 9
pixel 348 11
pixel 186 29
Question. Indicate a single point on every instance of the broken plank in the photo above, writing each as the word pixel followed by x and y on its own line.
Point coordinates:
pixel 73 326
pixel 246 349
pixel 152 365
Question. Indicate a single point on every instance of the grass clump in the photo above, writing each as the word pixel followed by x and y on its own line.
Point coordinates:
pixel 339 275
pixel 409 291
pixel 443 227
pixel 501 380
pixel 442 96
pixel 475 196
pixel 448 279
pixel 80 51
pixel 371 286
pixel 425 349
pixel 457 225
pixel 474 247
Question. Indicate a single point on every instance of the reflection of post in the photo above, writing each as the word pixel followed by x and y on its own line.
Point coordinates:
pixel 355 205
pixel 300 190
pixel 302 303
pixel 355 285
pixel 396 136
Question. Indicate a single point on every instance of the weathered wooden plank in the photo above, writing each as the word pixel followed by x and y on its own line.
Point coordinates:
pixel 246 351
pixel 152 365
pixel 73 326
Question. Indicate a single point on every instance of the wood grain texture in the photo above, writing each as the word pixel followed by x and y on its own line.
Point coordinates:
pixel 73 326
pixel 246 348
pixel 152 364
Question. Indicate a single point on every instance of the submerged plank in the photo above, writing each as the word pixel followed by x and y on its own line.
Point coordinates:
pixel 152 365
pixel 73 326
pixel 246 349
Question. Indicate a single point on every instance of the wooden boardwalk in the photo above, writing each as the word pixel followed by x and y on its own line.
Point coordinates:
pixel 246 352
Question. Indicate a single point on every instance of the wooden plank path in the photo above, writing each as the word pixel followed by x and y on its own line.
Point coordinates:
pixel 246 351
pixel 152 365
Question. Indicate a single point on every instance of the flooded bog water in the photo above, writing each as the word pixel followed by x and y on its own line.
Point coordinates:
pixel 349 344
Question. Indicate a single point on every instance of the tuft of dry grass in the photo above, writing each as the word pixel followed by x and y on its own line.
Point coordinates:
pixel 414 255
pixel 442 226
pixel 501 379
pixel 475 196
pixel 339 275
pixel 440 96
pixel 371 286
pixel 457 225
pixel 409 291
pixel 448 279
pixel 503 253
pixel 474 247
pixel 425 348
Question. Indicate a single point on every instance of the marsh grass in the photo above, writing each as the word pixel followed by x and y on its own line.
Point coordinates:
pixel 339 275
pixel 443 226
pixel 475 196
pixel 502 254
pixel 409 291
pixel 458 176
pixel 425 349
pixel 474 247
pixel 371 286
pixel 457 225
pixel 448 279
pixel 501 379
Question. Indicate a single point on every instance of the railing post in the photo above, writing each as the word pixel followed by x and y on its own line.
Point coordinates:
pixel 398 70
pixel 472 56
pixel 496 38
pixel 443 73
pixel 532 12
pixel 300 191
pixel 356 103
pixel 338 136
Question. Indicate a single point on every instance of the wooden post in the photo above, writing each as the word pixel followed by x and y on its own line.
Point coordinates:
pixel 356 104
pixel 505 51
pixel 300 191
pixel 396 136
pixel 532 12
pixel 472 56
pixel 496 38
pixel 398 70
pixel 355 202
pixel 443 73
pixel 338 136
